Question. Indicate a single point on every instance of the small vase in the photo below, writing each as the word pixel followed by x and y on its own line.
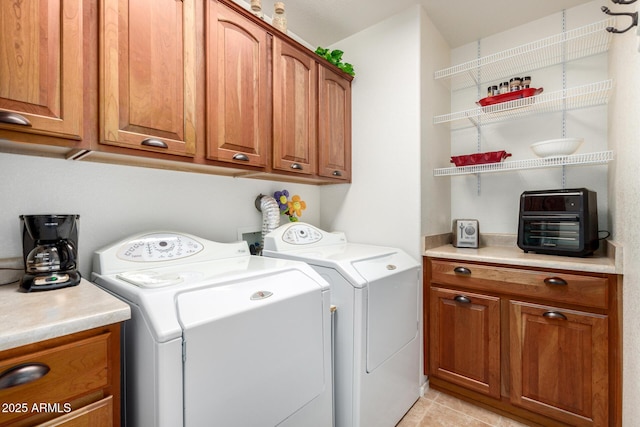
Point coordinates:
pixel 256 8
pixel 279 18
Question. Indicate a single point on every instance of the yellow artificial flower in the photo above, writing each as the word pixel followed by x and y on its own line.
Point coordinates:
pixel 296 206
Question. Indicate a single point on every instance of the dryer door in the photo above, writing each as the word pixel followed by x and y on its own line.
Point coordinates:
pixel 392 305
pixel 254 350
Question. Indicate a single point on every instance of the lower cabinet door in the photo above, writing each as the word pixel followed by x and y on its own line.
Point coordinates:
pixel 97 414
pixel 465 339
pixel 559 363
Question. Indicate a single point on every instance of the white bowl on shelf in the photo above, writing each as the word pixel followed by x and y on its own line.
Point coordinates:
pixel 556 147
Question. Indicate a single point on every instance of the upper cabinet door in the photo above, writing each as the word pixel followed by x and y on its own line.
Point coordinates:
pixel 238 110
pixel 41 67
pixel 334 125
pixel 294 109
pixel 148 75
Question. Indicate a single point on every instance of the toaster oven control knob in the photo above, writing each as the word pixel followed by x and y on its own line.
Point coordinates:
pixel 469 230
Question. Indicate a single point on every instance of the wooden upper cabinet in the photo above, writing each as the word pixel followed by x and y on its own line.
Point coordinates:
pixel 148 75
pixel 238 108
pixel 559 363
pixel 294 109
pixel 334 125
pixel 41 67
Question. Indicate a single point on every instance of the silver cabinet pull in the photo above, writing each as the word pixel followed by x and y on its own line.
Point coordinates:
pixel 22 374
pixel 462 299
pixel 464 271
pixel 556 281
pixel 153 142
pixel 241 157
pixel 554 315
pixel 336 173
pixel 14 119
pixel 296 166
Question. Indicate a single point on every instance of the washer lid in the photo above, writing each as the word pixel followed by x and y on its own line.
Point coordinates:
pixel 358 263
pixel 155 290
pixel 151 279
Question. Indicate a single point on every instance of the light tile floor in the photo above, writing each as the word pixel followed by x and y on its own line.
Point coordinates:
pixel 437 409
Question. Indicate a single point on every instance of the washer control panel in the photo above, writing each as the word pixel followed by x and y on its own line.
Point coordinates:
pixel 159 247
pixel 301 234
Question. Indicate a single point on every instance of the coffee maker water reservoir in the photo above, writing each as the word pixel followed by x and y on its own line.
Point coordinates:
pixel 49 245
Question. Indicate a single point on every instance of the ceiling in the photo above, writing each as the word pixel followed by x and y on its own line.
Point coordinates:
pixel 324 22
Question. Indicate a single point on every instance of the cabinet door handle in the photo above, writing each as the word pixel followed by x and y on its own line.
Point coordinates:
pixel 22 374
pixel 336 173
pixel 153 142
pixel 557 281
pixel 296 166
pixel 464 271
pixel 241 157
pixel 462 299
pixel 14 119
pixel 554 315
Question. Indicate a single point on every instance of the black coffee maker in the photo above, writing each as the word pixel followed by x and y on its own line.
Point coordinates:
pixel 49 246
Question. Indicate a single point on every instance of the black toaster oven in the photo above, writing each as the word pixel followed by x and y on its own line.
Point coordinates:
pixel 558 222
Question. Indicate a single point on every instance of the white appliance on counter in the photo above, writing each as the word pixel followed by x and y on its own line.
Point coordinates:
pixel 218 337
pixel 376 342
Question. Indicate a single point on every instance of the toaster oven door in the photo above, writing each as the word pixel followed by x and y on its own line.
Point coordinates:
pixel 560 232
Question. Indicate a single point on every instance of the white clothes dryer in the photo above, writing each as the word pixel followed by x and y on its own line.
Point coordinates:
pixel 219 337
pixel 376 341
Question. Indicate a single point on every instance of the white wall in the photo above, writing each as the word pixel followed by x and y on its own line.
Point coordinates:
pixel 494 198
pixel 116 201
pixel 394 199
pixel 435 139
pixel 624 139
pixel 382 205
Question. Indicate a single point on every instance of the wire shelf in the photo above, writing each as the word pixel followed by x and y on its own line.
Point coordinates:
pixel 567 46
pixel 567 99
pixel 596 158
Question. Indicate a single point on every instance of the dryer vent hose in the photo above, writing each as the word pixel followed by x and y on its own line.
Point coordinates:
pixel 270 216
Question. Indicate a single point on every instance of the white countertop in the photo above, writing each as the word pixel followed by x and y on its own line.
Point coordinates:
pixel 31 317
pixel 512 255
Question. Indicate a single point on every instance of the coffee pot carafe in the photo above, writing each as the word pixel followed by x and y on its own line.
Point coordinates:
pixel 49 251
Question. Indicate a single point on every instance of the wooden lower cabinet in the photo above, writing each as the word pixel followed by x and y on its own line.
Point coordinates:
pixel 73 380
pixel 465 334
pixel 559 363
pixel 94 414
pixel 540 345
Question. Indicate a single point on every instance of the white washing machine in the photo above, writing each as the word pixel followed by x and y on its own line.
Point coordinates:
pixel 376 342
pixel 219 337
